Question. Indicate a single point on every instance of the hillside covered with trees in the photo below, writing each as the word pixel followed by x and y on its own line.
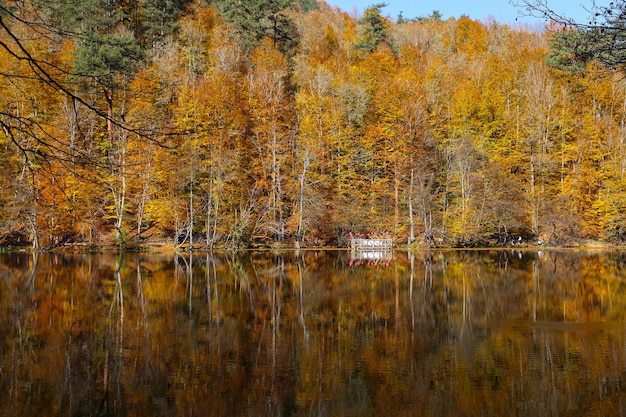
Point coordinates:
pixel 292 123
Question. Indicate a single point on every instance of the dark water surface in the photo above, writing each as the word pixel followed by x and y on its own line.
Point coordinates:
pixel 314 333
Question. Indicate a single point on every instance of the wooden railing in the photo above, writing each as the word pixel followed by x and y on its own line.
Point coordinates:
pixel 371 244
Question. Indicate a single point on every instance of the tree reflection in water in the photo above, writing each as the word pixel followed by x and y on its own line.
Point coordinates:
pixel 313 333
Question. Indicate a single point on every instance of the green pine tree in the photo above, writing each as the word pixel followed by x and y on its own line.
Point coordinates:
pixel 254 20
pixel 375 29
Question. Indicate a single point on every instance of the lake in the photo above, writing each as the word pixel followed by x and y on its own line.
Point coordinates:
pixel 314 333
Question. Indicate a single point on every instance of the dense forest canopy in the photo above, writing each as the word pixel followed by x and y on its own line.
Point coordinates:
pixel 292 123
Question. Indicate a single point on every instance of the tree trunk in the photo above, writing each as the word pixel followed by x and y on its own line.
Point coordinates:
pixel 411 220
pixel 300 232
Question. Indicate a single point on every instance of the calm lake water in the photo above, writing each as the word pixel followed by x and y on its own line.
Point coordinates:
pixel 314 333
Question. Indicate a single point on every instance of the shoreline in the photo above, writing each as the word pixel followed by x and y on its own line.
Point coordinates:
pixel 157 247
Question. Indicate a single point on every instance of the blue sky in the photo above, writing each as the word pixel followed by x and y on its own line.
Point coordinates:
pixel 501 10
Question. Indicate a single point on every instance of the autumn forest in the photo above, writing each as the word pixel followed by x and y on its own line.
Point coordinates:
pixel 292 124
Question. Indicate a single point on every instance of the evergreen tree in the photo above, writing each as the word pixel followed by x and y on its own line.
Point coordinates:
pixel 102 57
pixel 256 19
pixel 307 5
pixel 160 19
pixel 600 39
pixel 375 29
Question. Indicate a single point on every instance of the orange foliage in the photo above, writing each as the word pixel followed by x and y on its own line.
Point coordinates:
pixel 460 116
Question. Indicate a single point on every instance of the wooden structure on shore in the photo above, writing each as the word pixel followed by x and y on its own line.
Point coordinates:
pixel 371 251
pixel 371 244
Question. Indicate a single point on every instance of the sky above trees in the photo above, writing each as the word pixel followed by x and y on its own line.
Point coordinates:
pixel 502 10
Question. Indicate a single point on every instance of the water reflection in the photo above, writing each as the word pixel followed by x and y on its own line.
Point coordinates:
pixel 369 257
pixel 313 333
